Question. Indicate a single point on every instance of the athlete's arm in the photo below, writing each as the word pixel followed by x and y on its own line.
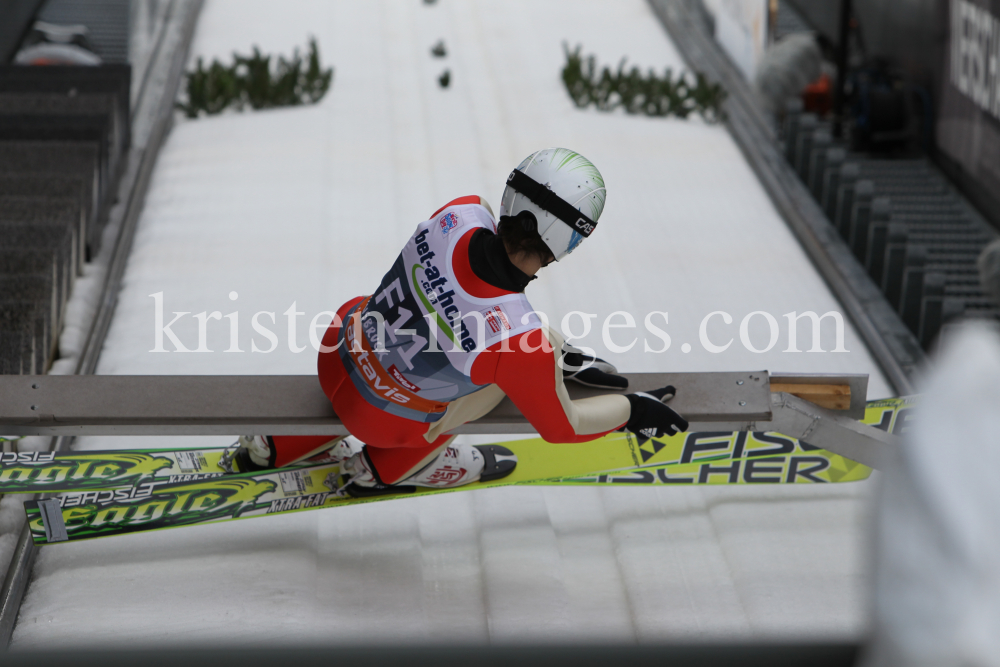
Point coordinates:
pixel 528 373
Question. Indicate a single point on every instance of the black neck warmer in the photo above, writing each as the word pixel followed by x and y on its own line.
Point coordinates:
pixel 489 261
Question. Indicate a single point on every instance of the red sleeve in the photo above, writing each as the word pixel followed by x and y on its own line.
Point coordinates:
pixel 529 379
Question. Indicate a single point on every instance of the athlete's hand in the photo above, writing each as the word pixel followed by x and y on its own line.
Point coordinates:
pixel 589 370
pixel 650 418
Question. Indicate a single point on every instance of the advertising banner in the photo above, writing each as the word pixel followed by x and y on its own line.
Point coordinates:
pixel 968 125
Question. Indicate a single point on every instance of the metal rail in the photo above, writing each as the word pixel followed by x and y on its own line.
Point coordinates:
pixel 70 405
pixel 296 405
pixel 151 121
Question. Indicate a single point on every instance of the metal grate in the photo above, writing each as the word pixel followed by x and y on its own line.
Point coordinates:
pixel 919 242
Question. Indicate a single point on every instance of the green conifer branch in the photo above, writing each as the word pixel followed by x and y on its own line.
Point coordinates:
pixel 256 81
pixel 651 95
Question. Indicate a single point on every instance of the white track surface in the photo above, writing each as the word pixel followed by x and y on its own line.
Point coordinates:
pixel 312 204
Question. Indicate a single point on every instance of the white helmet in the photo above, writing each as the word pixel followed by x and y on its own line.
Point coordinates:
pixel 563 190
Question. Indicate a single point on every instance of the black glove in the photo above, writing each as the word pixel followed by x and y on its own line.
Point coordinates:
pixel 588 370
pixel 650 418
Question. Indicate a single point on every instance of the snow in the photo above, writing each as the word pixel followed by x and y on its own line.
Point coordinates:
pixel 311 205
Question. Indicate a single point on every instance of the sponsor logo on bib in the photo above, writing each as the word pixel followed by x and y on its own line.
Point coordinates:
pixel 401 379
pixel 496 319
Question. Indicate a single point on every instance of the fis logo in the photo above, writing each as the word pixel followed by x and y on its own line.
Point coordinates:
pixel 448 222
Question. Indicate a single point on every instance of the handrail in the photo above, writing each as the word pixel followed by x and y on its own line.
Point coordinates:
pixel 73 405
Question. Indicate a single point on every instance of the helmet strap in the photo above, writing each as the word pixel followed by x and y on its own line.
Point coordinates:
pixel 549 201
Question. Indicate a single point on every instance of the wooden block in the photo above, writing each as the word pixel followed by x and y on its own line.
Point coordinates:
pixel 829 396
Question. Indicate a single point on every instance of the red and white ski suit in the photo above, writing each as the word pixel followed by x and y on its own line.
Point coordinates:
pixel 402 400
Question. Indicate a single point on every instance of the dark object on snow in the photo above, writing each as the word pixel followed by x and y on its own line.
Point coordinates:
pixel 439 51
pixel 445 79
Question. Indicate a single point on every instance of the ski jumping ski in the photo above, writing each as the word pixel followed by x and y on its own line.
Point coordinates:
pixel 121 492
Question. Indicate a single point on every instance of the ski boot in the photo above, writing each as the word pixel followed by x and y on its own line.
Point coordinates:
pixel 253 453
pixel 457 465
pixel 257 452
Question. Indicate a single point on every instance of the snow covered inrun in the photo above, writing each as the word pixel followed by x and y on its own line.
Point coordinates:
pixel 253 212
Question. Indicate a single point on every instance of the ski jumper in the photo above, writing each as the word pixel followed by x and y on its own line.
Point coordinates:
pixel 436 346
